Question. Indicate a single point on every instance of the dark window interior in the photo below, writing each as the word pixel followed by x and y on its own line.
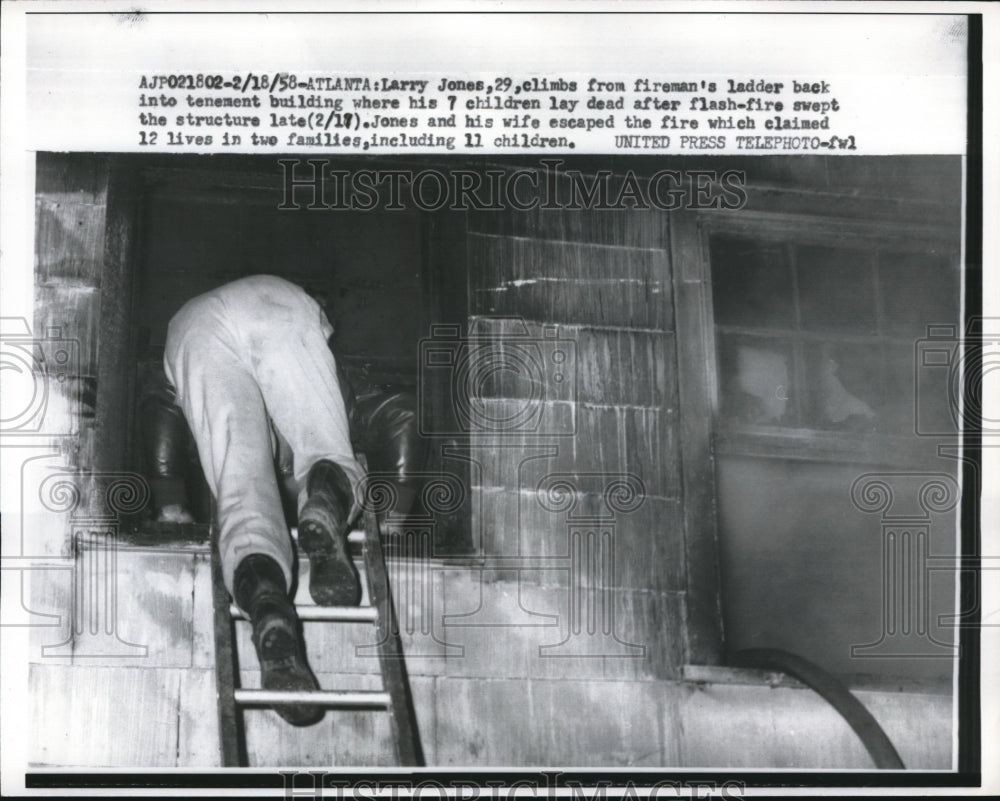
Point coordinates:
pixel 369 265
pixel 373 270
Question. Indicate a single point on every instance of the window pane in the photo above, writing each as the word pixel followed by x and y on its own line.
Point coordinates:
pixel 751 283
pixel 923 385
pixel 836 290
pixel 917 289
pixel 755 376
pixel 899 384
pixel 845 386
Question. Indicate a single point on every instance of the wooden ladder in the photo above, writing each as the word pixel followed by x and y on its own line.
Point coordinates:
pixel 394 697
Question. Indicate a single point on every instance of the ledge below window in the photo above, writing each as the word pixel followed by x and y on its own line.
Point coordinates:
pixel 183 536
pixel 846 447
pixel 195 537
pixel 721 674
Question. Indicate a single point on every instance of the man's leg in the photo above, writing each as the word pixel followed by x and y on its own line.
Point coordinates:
pixel 228 421
pixel 226 414
pixel 297 376
pixel 260 590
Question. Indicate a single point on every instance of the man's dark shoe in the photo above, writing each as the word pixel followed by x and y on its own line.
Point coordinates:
pixel 323 530
pixel 259 590
pixel 283 666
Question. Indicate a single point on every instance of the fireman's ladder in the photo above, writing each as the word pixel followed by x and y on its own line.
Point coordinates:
pixel 394 697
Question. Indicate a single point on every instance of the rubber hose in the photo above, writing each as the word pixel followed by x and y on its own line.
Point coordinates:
pixel 872 735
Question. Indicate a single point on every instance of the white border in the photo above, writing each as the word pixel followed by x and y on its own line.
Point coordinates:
pixel 16 259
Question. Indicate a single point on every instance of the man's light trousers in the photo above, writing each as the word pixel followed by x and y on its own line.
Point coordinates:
pixel 241 357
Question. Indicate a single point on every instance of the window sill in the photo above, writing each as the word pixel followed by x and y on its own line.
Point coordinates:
pixel 145 533
pixel 846 447
pixel 720 674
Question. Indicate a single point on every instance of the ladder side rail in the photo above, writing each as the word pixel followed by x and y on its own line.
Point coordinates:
pixel 232 734
pixel 406 737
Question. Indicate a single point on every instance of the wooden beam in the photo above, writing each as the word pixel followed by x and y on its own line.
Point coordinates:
pixel 696 390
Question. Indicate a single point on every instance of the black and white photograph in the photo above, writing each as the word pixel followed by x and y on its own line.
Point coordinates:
pixel 377 424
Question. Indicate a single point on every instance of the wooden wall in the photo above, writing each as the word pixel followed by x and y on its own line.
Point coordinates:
pixel 597 285
pixel 85 224
pixel 71 214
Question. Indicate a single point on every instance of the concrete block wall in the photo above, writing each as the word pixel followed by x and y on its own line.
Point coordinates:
pixel 484 696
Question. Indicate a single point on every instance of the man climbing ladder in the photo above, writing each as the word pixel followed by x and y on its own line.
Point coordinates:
pixel 242 357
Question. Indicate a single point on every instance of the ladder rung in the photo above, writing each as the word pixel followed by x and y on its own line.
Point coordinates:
pixel 327 698
pixel 326 614
pixel 356 537
pixel 338 614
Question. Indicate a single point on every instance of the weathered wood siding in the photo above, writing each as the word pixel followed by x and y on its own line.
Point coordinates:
pixel 598 285
pixel 71 205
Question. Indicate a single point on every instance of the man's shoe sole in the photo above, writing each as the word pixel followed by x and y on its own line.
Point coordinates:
pixel 333 578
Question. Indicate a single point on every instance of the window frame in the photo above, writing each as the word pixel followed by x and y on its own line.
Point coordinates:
pixel 698 379
pixel 802 442
pixel 236 183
